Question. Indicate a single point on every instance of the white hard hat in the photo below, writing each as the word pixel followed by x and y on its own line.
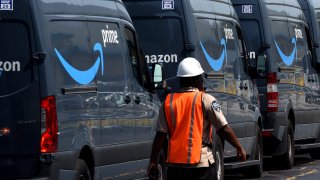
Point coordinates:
pixel 189 67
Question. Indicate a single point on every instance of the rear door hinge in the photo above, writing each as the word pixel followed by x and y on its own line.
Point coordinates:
pixel 39 56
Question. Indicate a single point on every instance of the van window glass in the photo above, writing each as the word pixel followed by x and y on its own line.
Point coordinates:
pixel 300 63
pixel 242 51
pixel 298 32
pixel 210 44
pixel 211 48
pixel 108 35
pixel 282 43
pixel 71 50
pixel 135 60
pixel 162 41
pixel 240 41
pixel 251 31
pixel 228 32
pixel 15 57
pixel 307 66
pixel 146 74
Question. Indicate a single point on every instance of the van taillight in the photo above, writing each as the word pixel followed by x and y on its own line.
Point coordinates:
pixel 272 92
pixel 49 125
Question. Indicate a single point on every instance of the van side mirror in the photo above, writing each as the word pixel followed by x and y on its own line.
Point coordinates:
pixel 261 65
pixel 157 75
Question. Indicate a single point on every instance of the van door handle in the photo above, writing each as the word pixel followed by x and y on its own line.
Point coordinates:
pixel 309 79
pixel 127 99
pixel 137 100
pixel 241 87
pixel 79 90
pixel 245 87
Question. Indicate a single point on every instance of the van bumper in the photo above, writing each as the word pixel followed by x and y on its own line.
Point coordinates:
pixel 274 133
pixel 58 165
pixel 49 166
pixel 53 172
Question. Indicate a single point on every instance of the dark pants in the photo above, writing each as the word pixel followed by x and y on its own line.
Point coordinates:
pixel 204 173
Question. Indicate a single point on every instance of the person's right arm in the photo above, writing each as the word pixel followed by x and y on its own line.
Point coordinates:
pixel 230 136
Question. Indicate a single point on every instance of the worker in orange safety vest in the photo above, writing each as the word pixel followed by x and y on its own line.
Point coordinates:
pixel 186 118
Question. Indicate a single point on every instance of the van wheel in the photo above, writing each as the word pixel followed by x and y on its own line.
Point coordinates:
pixel 82 170
pixel 256 171
pixel 287 159
pixel 218 161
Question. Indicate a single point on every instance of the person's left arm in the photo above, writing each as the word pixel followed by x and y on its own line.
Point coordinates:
pixel 158 143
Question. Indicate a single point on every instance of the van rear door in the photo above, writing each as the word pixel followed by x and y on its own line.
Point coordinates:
pixel 150 16
pixel 19 92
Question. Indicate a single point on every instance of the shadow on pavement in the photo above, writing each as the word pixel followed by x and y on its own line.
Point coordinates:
pixel 303 163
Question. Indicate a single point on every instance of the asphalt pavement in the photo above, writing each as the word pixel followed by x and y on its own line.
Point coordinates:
pixel 304 168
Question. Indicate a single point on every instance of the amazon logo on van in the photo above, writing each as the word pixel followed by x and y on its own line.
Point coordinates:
pixel 216 64
pixel 109 36
pixel 6 66
pixel 83 77
pixel 288 60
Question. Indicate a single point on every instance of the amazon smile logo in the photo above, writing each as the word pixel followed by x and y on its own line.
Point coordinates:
pixel 84 77
pixel 288 60
pixel 216 64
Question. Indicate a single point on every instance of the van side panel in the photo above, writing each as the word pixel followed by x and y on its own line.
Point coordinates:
pixel 19 94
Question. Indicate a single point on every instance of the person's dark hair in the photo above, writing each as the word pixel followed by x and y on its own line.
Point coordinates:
pixel 195 81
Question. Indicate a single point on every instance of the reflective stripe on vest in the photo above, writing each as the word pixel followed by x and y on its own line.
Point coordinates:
pixel 185 122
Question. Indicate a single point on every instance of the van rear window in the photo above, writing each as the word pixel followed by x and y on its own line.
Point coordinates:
pixel 162 42
pixel 15 63
pixel 251 31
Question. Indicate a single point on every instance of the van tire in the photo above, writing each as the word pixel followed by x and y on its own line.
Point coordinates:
pixel 287 159
pixel 256 171
pixel 218 173
pixel 82 171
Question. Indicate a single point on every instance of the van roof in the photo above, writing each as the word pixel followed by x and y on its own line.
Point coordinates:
pixel 221 8
pixel 107 8
pixel 293 9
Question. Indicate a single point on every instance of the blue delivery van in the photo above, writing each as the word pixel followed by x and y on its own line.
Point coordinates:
pixel 208 30
pixel 311 10
pixel 286 74
pixel 76 97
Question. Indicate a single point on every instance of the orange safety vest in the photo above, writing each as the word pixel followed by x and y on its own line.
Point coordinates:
pixel 185 122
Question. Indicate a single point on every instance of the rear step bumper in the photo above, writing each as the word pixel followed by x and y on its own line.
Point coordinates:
pixel 236 165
